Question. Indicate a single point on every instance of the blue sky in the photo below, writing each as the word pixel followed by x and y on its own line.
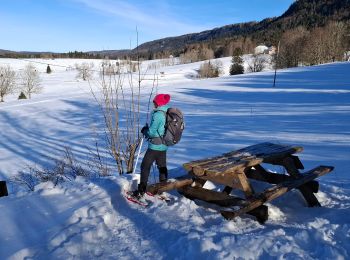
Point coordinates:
pixel 84 25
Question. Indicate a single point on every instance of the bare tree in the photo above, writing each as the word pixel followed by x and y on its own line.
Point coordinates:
pixel 108 68
pixel 30 80
pixel 209 69
pixel 292 50
pixel 119 99
pixel 7 81
pixel 196 52
pixel 257 63
pixel 326 44
pixel 85 71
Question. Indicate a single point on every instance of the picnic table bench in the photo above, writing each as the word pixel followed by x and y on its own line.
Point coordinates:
pixel 234 170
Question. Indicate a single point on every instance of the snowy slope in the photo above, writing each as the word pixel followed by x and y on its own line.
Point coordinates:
pixel 89 218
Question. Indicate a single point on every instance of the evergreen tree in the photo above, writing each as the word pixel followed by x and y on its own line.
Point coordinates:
pixel 237 62
pixel 48 69
pixel 22 96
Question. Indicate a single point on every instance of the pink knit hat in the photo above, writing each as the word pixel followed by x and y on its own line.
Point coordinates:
pixel 161 99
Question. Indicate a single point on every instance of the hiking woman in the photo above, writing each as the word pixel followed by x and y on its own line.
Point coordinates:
pixel 156 148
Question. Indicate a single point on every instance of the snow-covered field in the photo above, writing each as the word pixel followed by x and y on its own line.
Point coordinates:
pixel 89 218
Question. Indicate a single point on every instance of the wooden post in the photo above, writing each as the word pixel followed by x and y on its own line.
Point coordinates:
pixel 309 196
pixel 278 51
pixel 3 189
pixel 246 187
pixel 199 182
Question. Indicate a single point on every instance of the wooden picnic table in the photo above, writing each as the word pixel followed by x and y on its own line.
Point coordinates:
pixel 234 170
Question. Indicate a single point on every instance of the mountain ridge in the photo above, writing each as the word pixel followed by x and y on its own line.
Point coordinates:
pixel 306 13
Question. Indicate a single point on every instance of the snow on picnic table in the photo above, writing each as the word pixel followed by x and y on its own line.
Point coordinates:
pixel 310 107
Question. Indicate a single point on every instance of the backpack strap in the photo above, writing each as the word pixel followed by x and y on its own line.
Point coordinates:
pixel 158 140
pixel 164 112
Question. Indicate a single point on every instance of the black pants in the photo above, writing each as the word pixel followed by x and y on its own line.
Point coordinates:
pixel 148 159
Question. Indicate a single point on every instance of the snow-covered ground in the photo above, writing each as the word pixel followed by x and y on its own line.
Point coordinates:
pixel 89 218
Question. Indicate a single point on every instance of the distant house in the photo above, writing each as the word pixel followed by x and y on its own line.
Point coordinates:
pixel 261 49
pixel 272 50
pixel 347 56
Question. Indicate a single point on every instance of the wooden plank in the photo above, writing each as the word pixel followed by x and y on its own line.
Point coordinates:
pixel 188 166
pixel 223 200
pixel 277 191
pixel 218 198
pixel 231 169
pixel 239 154
pixel 231 160
pixel 226 169
pixel 225 179
pixel 200 169
pixel 219 161
pixel 260 174
pixel 179 182
pixel 3 189
pixel 266 149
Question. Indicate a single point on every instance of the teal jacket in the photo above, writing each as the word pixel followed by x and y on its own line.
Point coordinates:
pixel 156 128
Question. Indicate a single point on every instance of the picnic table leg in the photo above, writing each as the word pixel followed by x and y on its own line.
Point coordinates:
pixel 292 170
pixel 227 190
pixel 261 212
pixel 199 183
pixel 246 187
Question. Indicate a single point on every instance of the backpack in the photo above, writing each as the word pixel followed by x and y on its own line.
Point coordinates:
pixel 174 126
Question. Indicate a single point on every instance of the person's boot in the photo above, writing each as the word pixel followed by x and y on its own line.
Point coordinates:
pixel 141 189
pixel 138 194
pixel 163 174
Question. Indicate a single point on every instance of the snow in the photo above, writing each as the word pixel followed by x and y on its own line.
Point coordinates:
pixel 89 218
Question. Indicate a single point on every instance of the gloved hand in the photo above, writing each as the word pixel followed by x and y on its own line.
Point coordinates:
pixel 144 130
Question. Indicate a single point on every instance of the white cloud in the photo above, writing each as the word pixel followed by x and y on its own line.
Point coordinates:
pixel 150 17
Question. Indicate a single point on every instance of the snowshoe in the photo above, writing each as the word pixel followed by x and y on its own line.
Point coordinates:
pixel 163 196
pixel 137 198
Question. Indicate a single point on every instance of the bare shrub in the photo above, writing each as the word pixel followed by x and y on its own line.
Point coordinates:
pixel 64 169
pixel 153 66
pixel 120 107
pixel 98 164
pixel 209 70
pixel 85 71
pixel 7 81
pixel 26 179
pixel 109 69
pixel 30 80
pixel 257 63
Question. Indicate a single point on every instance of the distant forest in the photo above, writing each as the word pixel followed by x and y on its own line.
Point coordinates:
pixel 309 32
